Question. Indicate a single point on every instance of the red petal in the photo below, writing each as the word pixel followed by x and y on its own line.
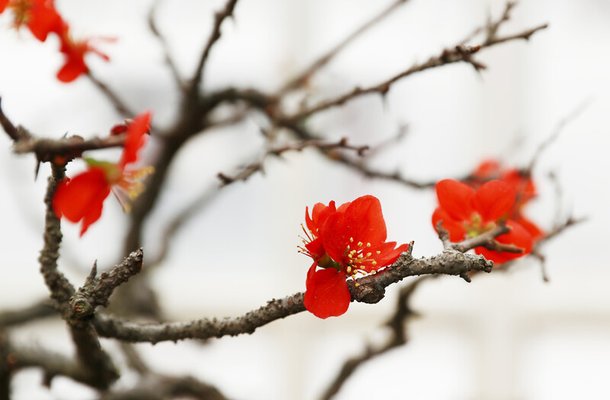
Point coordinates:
pixel 44 19
pixel 388 254
pixel 530 226
pixel 135 138
pixel 3 4
pixel 455 228
pixel 518 236
pixel 82 197
pixel 73 68
pixel 319 215
pixel 327 294
pixel 364 220
pixel 487 169
pixel 455 198
pixel 494 200
pixel 315 248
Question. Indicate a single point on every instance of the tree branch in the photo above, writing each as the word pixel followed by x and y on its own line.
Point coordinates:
pixel 214 36
pixel 457 53
pixel 119 105
pixel 40 309
pixel 368 289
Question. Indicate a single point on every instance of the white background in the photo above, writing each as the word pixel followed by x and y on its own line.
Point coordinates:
pixel 504 336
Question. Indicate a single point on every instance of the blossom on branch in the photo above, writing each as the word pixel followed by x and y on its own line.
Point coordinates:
pixel 465 213
pixel 343 242
pixel 42 18
pixel 520 180
pixel 81 198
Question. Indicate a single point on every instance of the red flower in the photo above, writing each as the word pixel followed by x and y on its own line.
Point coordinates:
pixel 521 181
pixel 344 242
pixel 465 212
pixel 82 197
pixel 74 52
pixel 40 16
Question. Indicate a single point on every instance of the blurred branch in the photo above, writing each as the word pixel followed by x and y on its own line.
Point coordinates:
pixel 368 289
pixel 119 105
pixel 159 387
pixel 397 337
pixel 557 131
pixel 321 145
pixel 15 133
pixel 40 309
pixel 66 148
pixel 214 36
pixel 318 64
pixel 169 61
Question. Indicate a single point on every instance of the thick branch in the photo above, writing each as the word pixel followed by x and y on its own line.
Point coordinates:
pixel 67 148
pixel 61 289
pixel 369 289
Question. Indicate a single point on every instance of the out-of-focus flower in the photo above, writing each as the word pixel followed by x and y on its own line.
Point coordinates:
pixel 465 213
pixel 81 198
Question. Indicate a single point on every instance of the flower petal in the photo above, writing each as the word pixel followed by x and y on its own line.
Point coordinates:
pixel 135 139
pixel 518 236
pixel 455 228
pixel 455 198
pixel 81 198
pixel 3 4
pixel 494 200
pixel 327 294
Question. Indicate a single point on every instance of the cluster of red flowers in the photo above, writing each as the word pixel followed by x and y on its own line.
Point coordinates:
pixel 42 19
pixel 349 241
pixel 81 198
pixel 343 242
pixel 491 196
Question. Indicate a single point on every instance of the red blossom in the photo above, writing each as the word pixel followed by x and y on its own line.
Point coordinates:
pixel 74 52
pixel 344 242
pixel 522 183
pixel 40 16
pixel 465 213
pixel 81 198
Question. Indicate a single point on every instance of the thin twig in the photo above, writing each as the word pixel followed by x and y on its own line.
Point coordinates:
pixel 318 64
pixel 321 145
pixel 214 36
pixel 398 337
pixel 169 61
pixel 119 105
pixel 575 113
pixel 458 53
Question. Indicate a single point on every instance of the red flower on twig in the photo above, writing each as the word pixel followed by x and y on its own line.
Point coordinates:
pixel 521 181
pixel 82 198
pixel 465 213
pixel 344 242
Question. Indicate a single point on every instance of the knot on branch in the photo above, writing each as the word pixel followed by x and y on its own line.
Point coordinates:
pixel 97 290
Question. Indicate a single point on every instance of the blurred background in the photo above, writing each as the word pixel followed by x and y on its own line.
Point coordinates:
pixel 503 336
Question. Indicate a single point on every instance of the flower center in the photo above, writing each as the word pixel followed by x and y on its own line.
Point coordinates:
pixel 475 226
pixel 359 257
